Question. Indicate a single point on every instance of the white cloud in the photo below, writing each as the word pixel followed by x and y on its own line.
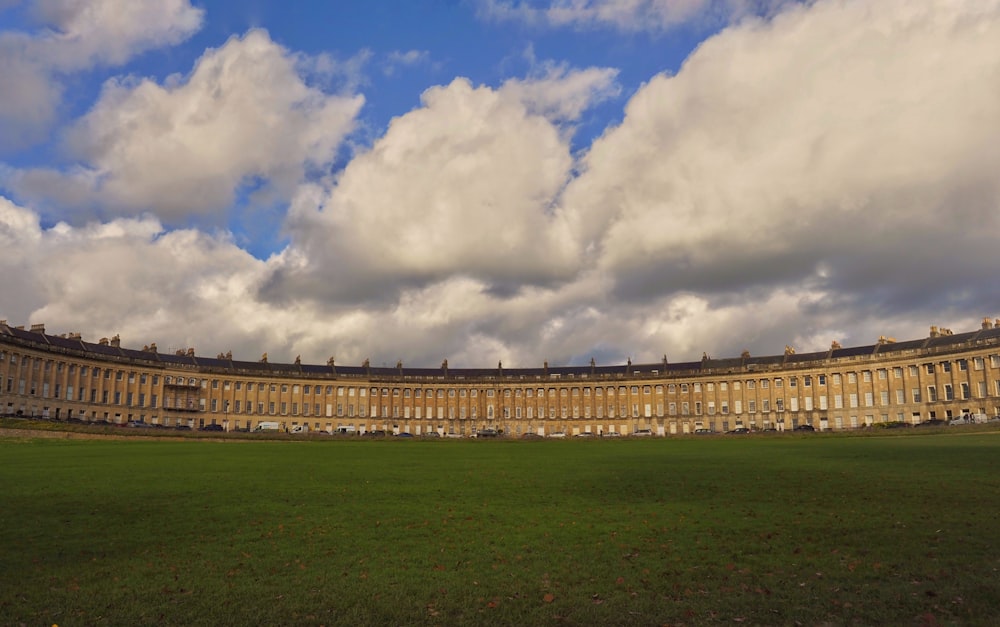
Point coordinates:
pixel 243 116
pixel 83 33
pixel 77 35
pixel 463 185
pixel 133 278
pixel 841 135
pixel 404 59
pixel 624 15
pixel 563 94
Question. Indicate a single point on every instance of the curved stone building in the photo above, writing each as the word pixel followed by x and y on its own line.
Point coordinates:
pixel 942 376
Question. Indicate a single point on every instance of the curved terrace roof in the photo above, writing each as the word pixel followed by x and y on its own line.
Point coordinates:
pixel 73 344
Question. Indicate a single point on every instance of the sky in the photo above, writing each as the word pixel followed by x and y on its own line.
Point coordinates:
pixel 484 181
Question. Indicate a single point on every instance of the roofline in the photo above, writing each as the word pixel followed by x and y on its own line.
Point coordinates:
pixel 937 342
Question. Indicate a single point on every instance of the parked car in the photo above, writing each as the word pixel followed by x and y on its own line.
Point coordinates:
pixel 531 436
pixel 377 433
pixel 933 422
pixel 212 427
pixel 487 433
pixel 896 424
pixel 804 427
pixel 182 428
pixel 585 434
pixel 432 434
pixel 404 434
pixel 739 431
pixel 703 431
pixel 557 434
pixel 138 424
pixel 642 433
pixel 612 434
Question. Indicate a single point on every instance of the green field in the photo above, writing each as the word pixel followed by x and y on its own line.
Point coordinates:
pixel 819 529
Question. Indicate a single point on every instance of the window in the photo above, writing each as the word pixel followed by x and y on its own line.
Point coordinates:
pixel 913 371
pixel 965 391
pixel 931 393
pixel 764 384
pixel 821 379
pixel 977 363
pixel 929 368
pixel 852 377
pixel 945 366
pixel 778 383
pixel 807 381
pixel 882 374
pixel 963 365
pixel 836 379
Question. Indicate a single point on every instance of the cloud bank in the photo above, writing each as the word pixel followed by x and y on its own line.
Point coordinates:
pixel 823 173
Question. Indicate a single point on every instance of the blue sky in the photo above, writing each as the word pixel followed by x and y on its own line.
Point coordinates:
pixel 499 179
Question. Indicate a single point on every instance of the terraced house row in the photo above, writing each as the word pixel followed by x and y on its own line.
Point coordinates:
pixel 939 377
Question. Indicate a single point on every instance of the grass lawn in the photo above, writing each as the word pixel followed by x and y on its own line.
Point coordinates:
pixel 816 529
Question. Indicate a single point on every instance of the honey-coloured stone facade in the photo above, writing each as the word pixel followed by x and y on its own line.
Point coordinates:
pixel 939 377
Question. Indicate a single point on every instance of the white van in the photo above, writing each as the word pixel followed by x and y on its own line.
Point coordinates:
pixel 268 426
pixel 348 430
pixel 300 429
